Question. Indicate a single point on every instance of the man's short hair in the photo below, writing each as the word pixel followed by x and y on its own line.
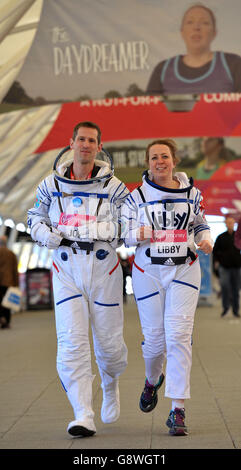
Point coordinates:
pixel 89 124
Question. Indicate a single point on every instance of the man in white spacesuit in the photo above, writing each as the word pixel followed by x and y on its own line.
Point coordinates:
pixel 77 215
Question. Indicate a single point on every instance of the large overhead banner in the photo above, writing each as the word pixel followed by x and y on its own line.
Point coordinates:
pixel 129 124
pixel 141 69
pixel 90 49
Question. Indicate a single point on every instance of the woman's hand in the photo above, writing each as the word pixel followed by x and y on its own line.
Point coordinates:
pixel 144 233
pixel 205 246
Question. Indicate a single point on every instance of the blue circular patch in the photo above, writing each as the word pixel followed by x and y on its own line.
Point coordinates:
pixel 101 254
pixel 64 256
pixel 77 201
pixel 148 252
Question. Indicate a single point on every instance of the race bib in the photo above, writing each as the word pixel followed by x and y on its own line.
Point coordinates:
pixel 169 247
pixel 75 226
pixel 75 220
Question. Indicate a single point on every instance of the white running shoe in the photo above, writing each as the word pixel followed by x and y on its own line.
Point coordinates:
pixel 110 410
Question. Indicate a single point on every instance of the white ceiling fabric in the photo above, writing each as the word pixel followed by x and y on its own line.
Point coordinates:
pixel 21 131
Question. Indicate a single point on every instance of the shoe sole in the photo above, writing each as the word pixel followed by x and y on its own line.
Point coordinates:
pixel 80 431
pixel 152 405
pixel 176 431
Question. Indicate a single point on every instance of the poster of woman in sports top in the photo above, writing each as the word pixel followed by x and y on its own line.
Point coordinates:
pixel 102 49
pixel 200 69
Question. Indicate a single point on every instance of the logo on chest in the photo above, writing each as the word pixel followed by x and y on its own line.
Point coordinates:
pixel 166 219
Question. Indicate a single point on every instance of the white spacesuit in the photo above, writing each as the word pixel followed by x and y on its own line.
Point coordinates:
pixel 82 218
pixel 166 275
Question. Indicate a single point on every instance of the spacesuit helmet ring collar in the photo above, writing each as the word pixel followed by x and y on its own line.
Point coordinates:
pixel 103 159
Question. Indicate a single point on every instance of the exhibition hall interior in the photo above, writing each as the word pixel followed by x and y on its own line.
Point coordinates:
pixel 142 71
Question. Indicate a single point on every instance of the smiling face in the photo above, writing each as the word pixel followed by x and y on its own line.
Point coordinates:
pixel 198 29
pixel 161 163
pixel 85 145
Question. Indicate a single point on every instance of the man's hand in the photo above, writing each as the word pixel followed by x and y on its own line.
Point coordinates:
pixel 46 236
pixel 53 239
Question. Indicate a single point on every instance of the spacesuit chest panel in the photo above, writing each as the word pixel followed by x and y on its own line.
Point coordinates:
pixel 169 218
pixel 77 211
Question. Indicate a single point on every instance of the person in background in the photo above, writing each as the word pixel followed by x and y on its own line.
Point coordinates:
pixel 237 235
pixel 126 272
pixel 8 278
pixel 200 70
pixel 163 218
pixel 215 155
pixel 227 259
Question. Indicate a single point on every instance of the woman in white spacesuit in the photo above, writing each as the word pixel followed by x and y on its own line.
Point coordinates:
pixel 163 218
pixel 77 215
